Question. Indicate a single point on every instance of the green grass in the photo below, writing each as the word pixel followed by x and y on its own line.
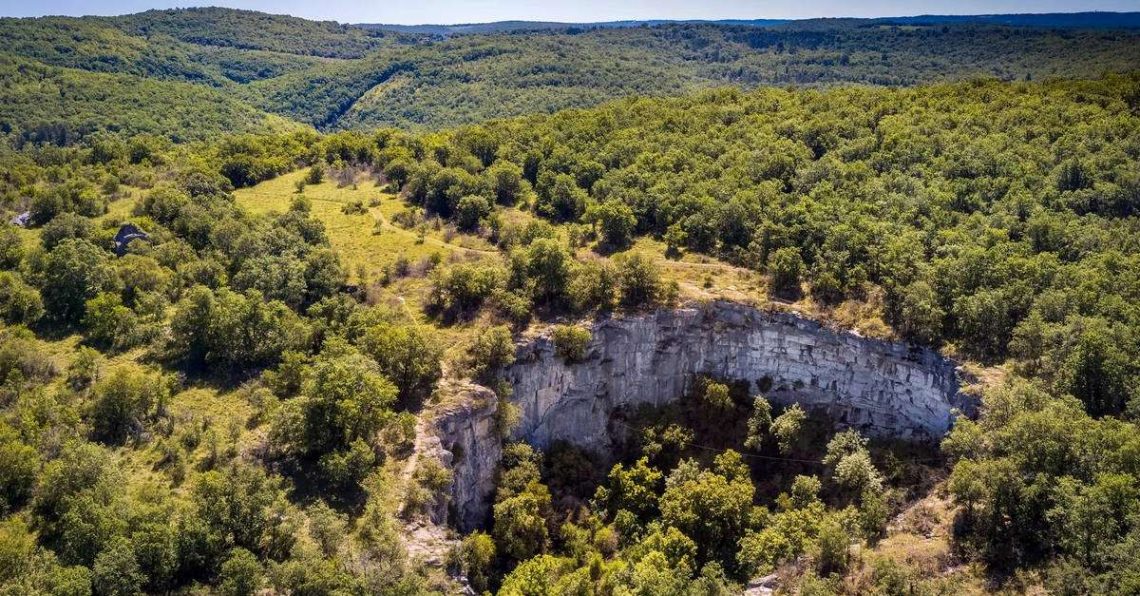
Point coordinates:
pixel 370 240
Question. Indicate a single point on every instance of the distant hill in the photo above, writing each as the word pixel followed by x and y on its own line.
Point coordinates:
pixel 524 26
pixel 1076 20
pixel 249 29
pixel 214 70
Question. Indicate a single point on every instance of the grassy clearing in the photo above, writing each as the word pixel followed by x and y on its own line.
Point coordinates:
pixel 370 242
pixel 367 242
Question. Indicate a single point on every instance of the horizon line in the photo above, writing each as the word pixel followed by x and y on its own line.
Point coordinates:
pixel 572 22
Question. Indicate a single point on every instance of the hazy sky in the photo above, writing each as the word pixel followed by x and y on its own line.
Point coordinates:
pixel 474 11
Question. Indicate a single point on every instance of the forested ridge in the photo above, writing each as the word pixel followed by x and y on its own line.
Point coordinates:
pixel 335 76
pixel 238 402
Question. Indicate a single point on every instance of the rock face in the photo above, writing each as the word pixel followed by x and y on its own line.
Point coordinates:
pixel 467 441
pixel 878 387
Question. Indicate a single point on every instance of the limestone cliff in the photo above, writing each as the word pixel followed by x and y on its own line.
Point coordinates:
pixel 881 388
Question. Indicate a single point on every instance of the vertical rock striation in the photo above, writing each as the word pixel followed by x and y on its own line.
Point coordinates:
pixel 879 387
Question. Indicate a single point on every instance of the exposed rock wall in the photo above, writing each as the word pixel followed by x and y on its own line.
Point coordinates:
pixel 467 441
pixel 881 388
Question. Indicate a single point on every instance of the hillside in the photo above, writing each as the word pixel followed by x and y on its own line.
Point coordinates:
pixel 334 76
pixel 1067 20
pixel 290 383
pixel 46 104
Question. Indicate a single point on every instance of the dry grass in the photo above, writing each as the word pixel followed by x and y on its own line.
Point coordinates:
pixel 367 242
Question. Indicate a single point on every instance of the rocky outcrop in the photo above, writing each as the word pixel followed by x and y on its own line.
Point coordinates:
pixel 878 387
pixel 466 440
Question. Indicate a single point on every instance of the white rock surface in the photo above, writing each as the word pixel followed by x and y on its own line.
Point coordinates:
pixel 878 387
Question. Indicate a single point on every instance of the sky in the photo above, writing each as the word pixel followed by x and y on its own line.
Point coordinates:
pixel 482 11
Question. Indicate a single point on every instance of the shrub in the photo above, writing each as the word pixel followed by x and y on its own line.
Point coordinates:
pixel 570 342
pixel 354 208
pixel 344 399
pixel 506 182
pixel 786 267
pixel 11 247
pixel 474 557
pixel 346 469
pixel 594 285
pixel 123 401
pixel 408 355
pixel 833 553
pixel 316 174
pixel 74 272
pixel 788 428
pixel 429 482
pixel 492 350
pixel 241 574
pixel 109 324
pixel 20 303
pixel 64 226
pixel 19 464
pixel 919 314
pixel 614 222
pixel 640 281
pixel 470 211
pixel 458 290
pixel 116 571
pixel 515 307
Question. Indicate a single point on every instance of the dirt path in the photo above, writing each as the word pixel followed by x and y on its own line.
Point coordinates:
pixel 424 540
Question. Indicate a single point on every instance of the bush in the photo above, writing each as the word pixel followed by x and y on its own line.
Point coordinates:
pixel 560 197
pixel 126 399
pixel 344 400
pixel 241 574
pixel 429 483
pixel 346 469
pixel 515 307
pixel 316 174
pixel 459 290
pixel 919 314
pixel 614 222
pixel 506 182
pixel 408 355
pixel 474 557
pixel 520 522
pixel 570 342
pixel 545 266
pixel 786 266
pixel 328 528
pixel 788 428
pixel 594 285
pixel 492 350
pixel 116 571
pixel 233 330
pixel 20 303
pixel 11 247
pixel 64 226
pixel 639 280
pixel 470 211
pixel 19 464
pixel 109 324
pixel 354 208
pixel 74 272
pixel 833 547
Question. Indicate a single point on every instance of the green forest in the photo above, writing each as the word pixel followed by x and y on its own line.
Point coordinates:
pixel 346 229
pixel 334 77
